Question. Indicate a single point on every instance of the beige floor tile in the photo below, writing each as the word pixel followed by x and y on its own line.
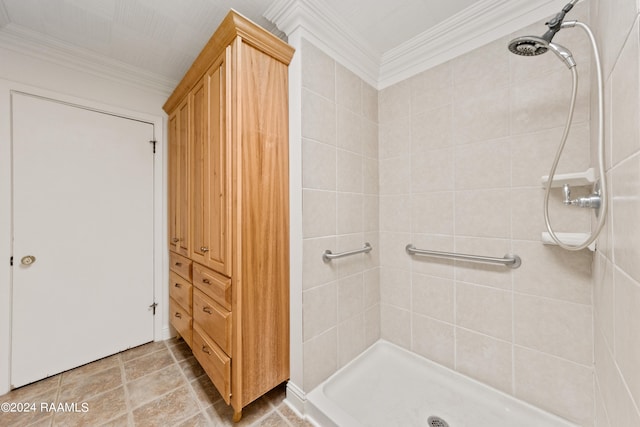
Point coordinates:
pixel 250 414
pixel 200 420
pixel 147 364
pixel 44 422
pixel 105 406
pixel 31 390
pixel 205 391
pixel 154 385
pixel 142 350
pixel 166 410
pixel 90 368
pixel 124 420
pixel 191 368
pixel 273 420
pixel 276 396
pixel 181 350
pixel 292 417
pixel 87 387
pixel 27 416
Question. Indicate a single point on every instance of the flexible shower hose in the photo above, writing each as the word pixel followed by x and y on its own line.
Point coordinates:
pixel 604 200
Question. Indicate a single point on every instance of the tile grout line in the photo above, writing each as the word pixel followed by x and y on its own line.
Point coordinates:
pixel 199 412
pixel 125 389
pixel 58 391
pixel 286 420
pixel 190 388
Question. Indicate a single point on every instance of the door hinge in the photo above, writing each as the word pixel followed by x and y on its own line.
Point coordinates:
pixel 153 307
pixel 154 146
pixel 11 261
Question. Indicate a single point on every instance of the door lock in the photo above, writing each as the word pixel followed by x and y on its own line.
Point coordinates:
pixel 27 260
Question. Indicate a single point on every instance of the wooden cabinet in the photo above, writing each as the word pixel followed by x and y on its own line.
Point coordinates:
pixel 181 296
pixel 179 236
pixel 236 201
pixel 211 167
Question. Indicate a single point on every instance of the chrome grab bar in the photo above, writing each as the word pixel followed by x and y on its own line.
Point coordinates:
pixel 512 261
pixel 328 255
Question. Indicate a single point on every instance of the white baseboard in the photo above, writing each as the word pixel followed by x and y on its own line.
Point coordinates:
pixel 296 398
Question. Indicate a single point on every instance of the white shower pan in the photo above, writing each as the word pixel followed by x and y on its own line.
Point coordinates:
pixel 390 386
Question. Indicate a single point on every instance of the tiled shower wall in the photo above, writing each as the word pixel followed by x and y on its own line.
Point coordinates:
pixel 617 270
pixel 460 151
pixel 341 298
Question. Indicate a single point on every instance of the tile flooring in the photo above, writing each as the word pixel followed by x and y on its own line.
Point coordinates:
pixel 157 384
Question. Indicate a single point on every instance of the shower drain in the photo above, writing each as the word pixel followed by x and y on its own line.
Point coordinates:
pixel 437 422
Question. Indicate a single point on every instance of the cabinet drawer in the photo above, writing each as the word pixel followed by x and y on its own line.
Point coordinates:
pixel 214 285
pixel 216 364
pixel 180 290
pixel 181 321
pixel 213 319
pixel 180 265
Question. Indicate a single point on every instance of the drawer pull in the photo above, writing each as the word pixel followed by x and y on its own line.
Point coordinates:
pixel 206 349
pixel 177 285
pixel 178 264
pixel 204 249
pixel 178 315
pixel 175 240
pixel 206 281
pixel 206 310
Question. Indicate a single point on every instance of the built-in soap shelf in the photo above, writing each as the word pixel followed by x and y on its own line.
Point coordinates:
pixel 572 239
pixel 576 179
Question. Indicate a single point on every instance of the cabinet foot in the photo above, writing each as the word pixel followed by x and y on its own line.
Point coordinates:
pixel 237 415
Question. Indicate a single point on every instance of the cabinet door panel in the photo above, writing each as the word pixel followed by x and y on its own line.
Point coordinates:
pixel 199 150
pixel 173 182
pixel 219 162
pixel 182 206
pixel 210 167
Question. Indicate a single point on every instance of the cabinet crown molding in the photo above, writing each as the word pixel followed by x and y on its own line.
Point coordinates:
pixel 234 25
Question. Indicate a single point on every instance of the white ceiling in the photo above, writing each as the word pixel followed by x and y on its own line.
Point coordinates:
pixel 386 24
pixel 161 36
pixel 165 36
pixel 152 43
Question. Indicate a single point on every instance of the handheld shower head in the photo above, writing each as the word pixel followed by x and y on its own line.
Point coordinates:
pixel 533 46
pixel 529 46
pixel 564 54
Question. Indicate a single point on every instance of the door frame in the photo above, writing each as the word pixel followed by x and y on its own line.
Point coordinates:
pixel 160 254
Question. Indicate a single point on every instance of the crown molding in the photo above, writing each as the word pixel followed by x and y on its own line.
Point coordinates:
pixel 19 39
pixel 328 31
pixel 479 24
pixel 475 26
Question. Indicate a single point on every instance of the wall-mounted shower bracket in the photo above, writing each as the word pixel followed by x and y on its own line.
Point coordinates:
pixel 575 179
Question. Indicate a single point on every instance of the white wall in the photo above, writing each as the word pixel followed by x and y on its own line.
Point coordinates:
pixel 27 72
pixel 339 140
pixel 463 147
pixel 616 275
pixel 448 141
pixel 31 70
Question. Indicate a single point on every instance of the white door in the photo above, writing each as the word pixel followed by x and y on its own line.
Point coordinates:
pixel 83 207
